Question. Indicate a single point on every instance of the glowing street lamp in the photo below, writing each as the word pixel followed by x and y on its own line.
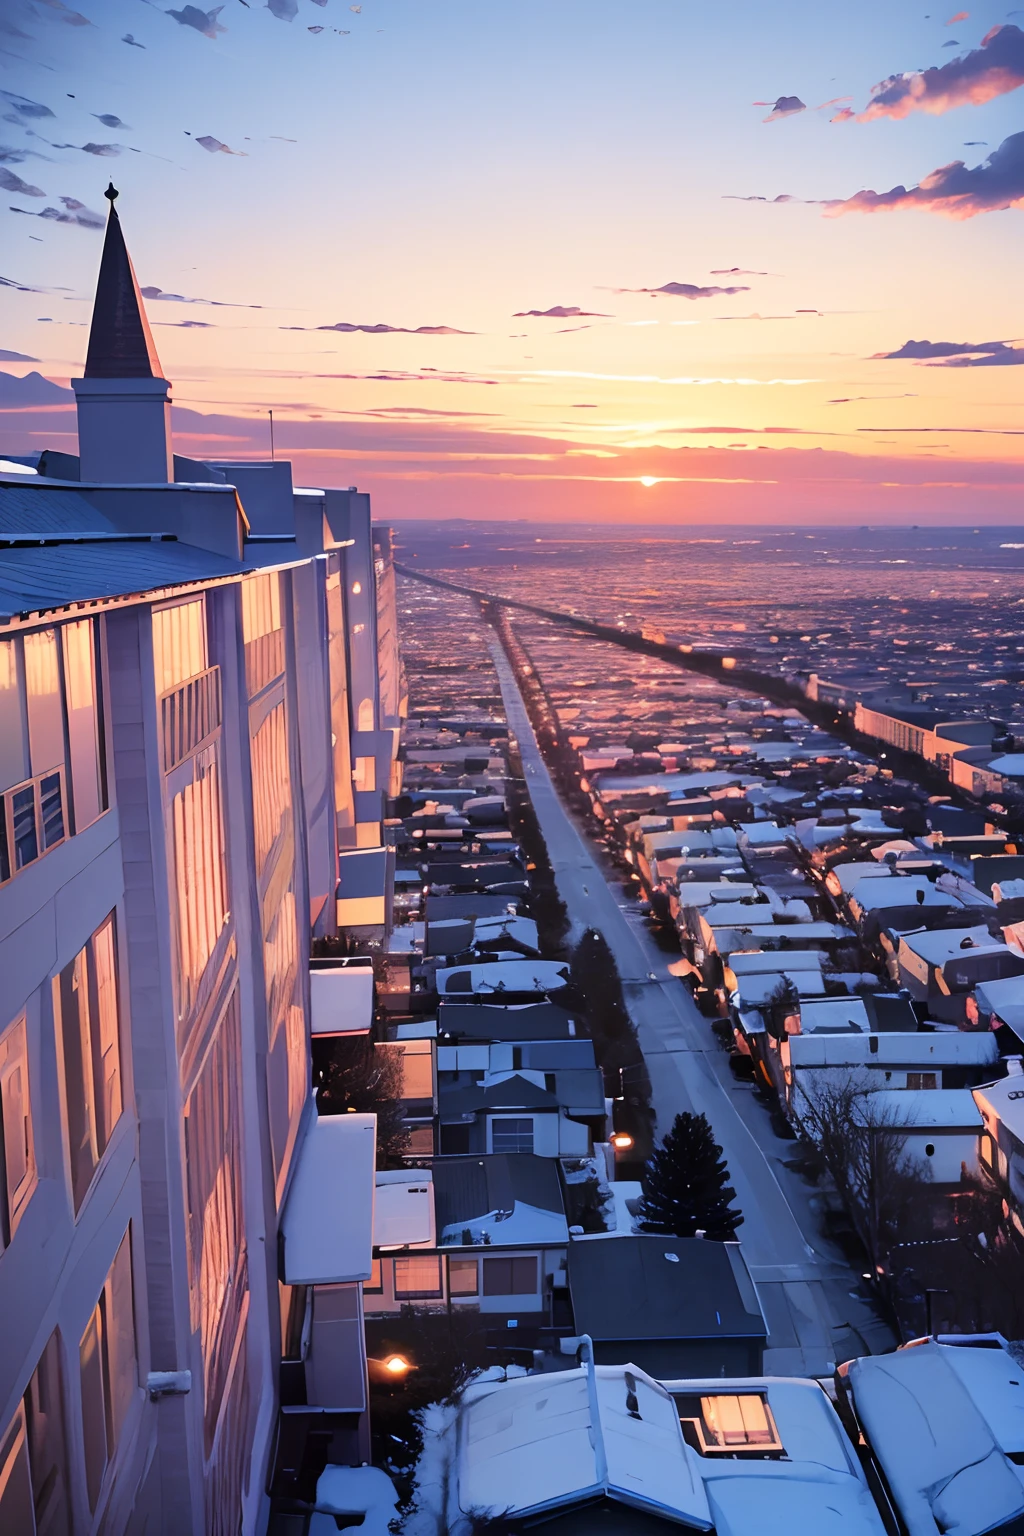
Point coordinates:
pixel 621 1141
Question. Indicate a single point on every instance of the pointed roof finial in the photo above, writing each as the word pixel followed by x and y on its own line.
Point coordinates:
pixel 120 342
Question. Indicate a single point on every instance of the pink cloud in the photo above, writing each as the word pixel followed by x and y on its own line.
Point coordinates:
pixel 994 69
pixel 954 190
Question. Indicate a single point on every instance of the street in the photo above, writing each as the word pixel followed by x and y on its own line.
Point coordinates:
pixel 807 1288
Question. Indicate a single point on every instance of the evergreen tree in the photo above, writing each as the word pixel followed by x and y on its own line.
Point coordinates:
pixel 686 1184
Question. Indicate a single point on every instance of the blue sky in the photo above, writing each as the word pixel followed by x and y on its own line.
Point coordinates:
pixel 457 162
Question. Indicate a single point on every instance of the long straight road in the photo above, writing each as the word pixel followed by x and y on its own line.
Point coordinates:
pixel 806 1286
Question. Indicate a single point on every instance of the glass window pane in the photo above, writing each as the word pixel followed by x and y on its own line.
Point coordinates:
pixel 497 1277
pixel 119 1339
pixel 13 745
pixel 51 808
pixel 419 1276
pixel 105 1035
pixel 45 713
pixel 72 998
pixel 462 1277
pixel 512 1135
pixel 16 1121
pixel 23 826
pixel 83 721
pixel 179 644
pixel 94 1410
pixel 524 1276
pixel 44 1418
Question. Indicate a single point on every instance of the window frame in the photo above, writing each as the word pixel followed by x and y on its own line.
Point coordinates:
pixel 418 1292
pixel 488 1266
pixel 89 1046
pixel 496 1121
pixel 14 1056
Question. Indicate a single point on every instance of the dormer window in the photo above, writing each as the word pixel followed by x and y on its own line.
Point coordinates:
pixel 729 1424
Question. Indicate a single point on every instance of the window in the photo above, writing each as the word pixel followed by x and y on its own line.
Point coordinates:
pixel 44 1421
pixel 13 739
pixel 511 1277
pixel 415 1060
pixel 271 783
pixel 922 1080
pixel 84 736
pixel 108 1375
pixel 463 1277
pixel 86 1009
pixel 42 692
pixel 419 1276
pixel 179 644
pixel 511 1135
pixel 17 1152
pixel 729 1423
pixel 15 1480
pixel 738 1421
pixel 262 631
pixel 218 1274
pixel 376 1280
pixel 199 873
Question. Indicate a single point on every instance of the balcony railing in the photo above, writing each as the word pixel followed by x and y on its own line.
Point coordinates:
pixel 189 715
pixel 33 819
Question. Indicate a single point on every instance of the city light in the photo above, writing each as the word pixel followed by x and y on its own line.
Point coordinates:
pixel 621 1141
pixel 397 1365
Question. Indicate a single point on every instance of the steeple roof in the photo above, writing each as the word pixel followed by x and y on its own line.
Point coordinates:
pixel 120 343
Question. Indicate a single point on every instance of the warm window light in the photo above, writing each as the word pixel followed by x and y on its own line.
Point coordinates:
pixel 621 1141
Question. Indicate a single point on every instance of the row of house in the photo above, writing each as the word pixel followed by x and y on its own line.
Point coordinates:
pixel 924 1440
pixel 200 703
pixel 846 929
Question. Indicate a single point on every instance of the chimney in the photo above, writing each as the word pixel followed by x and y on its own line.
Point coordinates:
pixel 124 406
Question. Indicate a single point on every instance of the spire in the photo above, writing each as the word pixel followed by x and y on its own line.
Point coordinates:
pixel 120 343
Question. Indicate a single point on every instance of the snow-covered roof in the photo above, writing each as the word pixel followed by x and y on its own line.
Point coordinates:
pixel 1011 764
pixel 1004 998
pixel 550 1441
pixel 1003 1100
pixel 760 962
pixel 937 945
pixel 341 996
pixel 901 891
pixel 520 975
pixel 553 1441
pixel 754 991
pixel 403 1209
pixel 700 893
pixel 327 1222
pixel 927 1109
pixel 834 1013
pixel 847 875
pixel 941 1459
pixel 926 1048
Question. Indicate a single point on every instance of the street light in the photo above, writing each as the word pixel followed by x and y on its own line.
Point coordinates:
pixel 621 1141
pixel 397 1365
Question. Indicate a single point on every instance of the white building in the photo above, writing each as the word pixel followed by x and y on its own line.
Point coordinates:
pixel 186 702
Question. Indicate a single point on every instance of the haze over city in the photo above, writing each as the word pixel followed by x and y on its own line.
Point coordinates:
pixel 660 262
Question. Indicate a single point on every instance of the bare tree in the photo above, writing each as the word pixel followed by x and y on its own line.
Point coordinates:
pixel 864 1153
pixel 352 1074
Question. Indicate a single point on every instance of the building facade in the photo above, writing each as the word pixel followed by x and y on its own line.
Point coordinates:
pixel 192 727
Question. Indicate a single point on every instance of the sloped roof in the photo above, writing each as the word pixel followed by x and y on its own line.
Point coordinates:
pixel 36 578
pixel 120 342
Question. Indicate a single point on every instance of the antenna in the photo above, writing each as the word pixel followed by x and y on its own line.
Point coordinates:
pixel 271 415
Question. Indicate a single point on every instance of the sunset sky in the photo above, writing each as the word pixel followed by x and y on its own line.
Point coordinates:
pixel 456 164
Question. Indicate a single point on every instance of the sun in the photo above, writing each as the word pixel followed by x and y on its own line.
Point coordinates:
pixel 649 480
